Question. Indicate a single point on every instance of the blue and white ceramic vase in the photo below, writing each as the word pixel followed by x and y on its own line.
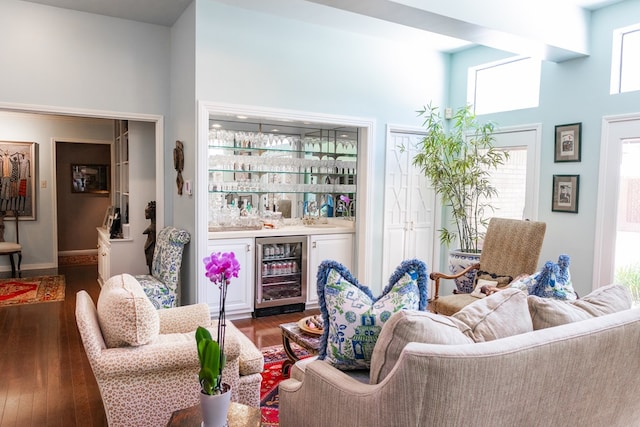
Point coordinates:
pixel 458 261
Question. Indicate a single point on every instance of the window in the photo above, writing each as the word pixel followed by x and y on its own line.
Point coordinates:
pixel 517 179
pixel 625 60
pixel 506 85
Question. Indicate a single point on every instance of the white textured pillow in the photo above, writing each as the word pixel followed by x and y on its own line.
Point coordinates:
pixel 126 315
pixel 407 326
pixel 547 312
pixel 502 314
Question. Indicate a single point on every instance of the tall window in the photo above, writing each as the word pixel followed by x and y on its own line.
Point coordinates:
pixel 625 60
pixel 506 85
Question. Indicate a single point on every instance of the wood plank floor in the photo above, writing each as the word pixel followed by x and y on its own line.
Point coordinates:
pixel 45 377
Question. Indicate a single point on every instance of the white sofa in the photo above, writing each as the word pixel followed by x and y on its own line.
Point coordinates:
pixel 584 373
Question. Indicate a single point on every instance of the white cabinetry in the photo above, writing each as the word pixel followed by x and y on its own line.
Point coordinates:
pixel 240 291
pixel 114 257
pixel 336 247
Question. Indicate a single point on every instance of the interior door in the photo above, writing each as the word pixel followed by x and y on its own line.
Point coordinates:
pixel 618 216
pixel 409 206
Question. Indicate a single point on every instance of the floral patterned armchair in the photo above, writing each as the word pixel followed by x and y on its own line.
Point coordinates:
pixel 161 286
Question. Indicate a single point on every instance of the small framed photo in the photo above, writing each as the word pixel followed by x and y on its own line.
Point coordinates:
pixel 568 143
pixel 566 189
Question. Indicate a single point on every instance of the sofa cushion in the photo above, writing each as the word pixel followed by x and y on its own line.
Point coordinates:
pixel 408 326
pixel 126 315
pixel 353 318
pixel 499 315
pixel 546 312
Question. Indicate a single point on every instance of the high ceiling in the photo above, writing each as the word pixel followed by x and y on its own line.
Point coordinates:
pixel 441 25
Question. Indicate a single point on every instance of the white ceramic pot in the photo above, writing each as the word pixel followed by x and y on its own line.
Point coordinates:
pixel 215 407
pixel 458 261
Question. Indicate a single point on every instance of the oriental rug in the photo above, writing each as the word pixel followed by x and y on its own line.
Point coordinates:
pixel 31 290
pixel 271 377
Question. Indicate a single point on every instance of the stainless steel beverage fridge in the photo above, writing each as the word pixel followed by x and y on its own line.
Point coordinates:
pixel 281 275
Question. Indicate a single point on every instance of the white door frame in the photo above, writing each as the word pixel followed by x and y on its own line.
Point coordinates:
pixel 113 115
pixel 608 182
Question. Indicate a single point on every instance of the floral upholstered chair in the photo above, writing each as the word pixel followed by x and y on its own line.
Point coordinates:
pixel 145 361
pixel 161 286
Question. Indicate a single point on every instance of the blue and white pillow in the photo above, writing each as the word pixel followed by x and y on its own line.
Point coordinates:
pixel 553 281
pixel 353 318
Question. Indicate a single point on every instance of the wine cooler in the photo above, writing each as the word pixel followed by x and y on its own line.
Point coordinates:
pixel 281 275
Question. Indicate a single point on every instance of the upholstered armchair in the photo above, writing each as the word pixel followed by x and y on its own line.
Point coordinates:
pixel 145 360
pixel 511 248
pixel 161 286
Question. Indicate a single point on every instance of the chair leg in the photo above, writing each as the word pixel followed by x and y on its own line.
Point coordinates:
pixel 19 264
pixel 13 266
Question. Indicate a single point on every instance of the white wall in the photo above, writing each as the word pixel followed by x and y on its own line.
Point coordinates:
pixel 76 63
pixel 253 58
pixel 38 237
pixel 571 91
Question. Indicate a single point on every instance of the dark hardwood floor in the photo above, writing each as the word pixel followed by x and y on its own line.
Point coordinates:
pixel 45 377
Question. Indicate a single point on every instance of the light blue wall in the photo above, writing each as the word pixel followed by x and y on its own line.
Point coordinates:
pixel 183 123
pixel 252 58
pixel 64 60
pixel 572 91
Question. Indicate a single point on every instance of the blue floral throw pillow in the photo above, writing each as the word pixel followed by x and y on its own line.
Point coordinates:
pixel 553 281
pixel 353 318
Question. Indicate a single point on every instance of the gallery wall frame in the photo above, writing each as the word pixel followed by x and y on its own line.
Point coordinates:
pixel 568 143
pixel 566 192
pixel 18 166
pixel 90 178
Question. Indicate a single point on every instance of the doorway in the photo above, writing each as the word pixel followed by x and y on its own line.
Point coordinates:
pixel 618 218
pixel 80 212
pixel 410 209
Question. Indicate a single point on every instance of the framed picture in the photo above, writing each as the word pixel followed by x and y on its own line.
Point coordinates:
pixel 18 178
pixel 566 189
pixel 107 215
pixel 568 142
pixel 90 179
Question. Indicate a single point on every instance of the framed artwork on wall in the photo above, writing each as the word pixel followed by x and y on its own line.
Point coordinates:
pixel 566 189
pixel 17 178
pixel 90 179
pixel 568 143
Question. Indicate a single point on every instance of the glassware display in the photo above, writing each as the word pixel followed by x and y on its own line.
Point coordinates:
pixel 269 171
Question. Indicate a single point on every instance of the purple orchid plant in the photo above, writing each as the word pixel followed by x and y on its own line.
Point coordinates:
pixel 220 268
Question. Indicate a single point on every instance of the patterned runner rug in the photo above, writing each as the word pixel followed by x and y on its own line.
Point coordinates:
pixel 271 377
pixel 31 290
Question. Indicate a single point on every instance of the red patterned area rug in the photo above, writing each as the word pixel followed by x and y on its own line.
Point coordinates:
pixel 31 290
pixel 271 377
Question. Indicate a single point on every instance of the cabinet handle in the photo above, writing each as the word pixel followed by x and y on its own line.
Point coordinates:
pixel 248 248
pixel 314 245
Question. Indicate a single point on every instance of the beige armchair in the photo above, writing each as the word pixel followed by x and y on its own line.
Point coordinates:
pixel 511 248
pixel 142 384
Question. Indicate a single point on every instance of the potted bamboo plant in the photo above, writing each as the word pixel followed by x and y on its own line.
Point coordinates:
pixel 458 160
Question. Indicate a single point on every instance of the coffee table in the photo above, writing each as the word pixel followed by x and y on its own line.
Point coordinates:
pixel 239 415
pixel 291 332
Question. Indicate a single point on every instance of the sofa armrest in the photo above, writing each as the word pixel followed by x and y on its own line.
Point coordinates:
pixel 184 319
pixel 327 396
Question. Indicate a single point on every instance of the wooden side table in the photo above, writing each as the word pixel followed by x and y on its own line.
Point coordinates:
pixel 291 332
pixel 239 415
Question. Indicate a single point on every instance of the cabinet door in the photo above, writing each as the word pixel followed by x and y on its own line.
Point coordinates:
pixel 240 290
pixel 336 247
pixel 104 259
